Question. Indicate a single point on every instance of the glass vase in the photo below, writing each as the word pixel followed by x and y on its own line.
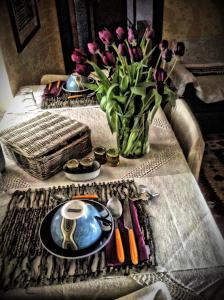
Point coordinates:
pixel 133 135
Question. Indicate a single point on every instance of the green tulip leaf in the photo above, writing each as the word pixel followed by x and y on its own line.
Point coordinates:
pixel 146 57
pixel 146 84
pixel 171 95
pixel 138 90
pixel 99 97
pixel 102 77
pixel 113 110
pixel 142 44
pixel 150 74
pixel 115 75
pixel 114 121
pixel 158 98
pixel 101 89
pixel 131 110
pixel 147 101
pixel 132 71
pixel 124 83
pixel 121 99
pixel 109 122
pixel 91 86
pixel 103 103
pixel 110 92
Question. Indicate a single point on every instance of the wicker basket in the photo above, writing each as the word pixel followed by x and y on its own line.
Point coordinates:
pixel 42 145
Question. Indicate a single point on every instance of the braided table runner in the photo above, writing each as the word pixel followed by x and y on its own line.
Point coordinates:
pixel 25 263
pixel 64 101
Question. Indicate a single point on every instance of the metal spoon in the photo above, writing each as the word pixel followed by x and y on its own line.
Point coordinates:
pixel 115 207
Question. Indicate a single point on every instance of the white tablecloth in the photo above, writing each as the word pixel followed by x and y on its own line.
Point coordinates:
pixel 186 237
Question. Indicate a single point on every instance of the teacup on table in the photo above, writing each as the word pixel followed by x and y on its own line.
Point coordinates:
pixel 76 83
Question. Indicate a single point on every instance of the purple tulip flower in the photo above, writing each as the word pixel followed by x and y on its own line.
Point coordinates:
pixel 82 69
pixel 131 37
pixel 163 45
pixel 93 47
pixel 179 49
pixel 167 55
pixel 121 33
pixel 149 33
pixel 122 48
pixel 160 87
pixel 108 58
pixel 78 57
pixel 159 75
pixel 137 53
pixel 106 36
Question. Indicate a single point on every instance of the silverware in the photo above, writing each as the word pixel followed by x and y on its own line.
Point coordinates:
pixel 145 194
pixel 128 224
pixel 115 207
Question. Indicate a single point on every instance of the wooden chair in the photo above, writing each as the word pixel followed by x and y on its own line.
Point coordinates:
pixel 188 134
pixel 47 78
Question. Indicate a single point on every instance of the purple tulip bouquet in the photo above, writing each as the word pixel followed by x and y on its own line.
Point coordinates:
pixel 134 88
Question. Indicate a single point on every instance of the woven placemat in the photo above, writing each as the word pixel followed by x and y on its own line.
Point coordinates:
pixel 63 101
pixel 26 263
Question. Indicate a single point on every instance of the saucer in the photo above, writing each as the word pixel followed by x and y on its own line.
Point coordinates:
pixel 49 244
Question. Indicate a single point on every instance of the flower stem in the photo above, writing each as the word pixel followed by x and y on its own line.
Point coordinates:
pixel 146 46
pixel 119 56
pixel 128 102
pixel 129 49
pixel 171 70
pixel 157 63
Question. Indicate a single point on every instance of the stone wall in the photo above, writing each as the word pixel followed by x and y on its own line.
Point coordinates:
pixel 199 24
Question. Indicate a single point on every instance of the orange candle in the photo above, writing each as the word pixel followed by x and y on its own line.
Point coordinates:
pixel 58 83
pixel 75 96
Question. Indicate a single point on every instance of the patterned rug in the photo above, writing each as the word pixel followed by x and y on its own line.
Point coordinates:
pixel 212 176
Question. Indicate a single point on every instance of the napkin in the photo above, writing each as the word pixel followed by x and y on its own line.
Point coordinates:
pixel 54 91
pixel 155 291
pixel 110 250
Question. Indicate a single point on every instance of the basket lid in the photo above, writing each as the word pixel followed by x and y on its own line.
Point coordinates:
pixel 41 134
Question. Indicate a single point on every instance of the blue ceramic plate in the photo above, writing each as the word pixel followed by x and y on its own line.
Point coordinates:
pixel 49 244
